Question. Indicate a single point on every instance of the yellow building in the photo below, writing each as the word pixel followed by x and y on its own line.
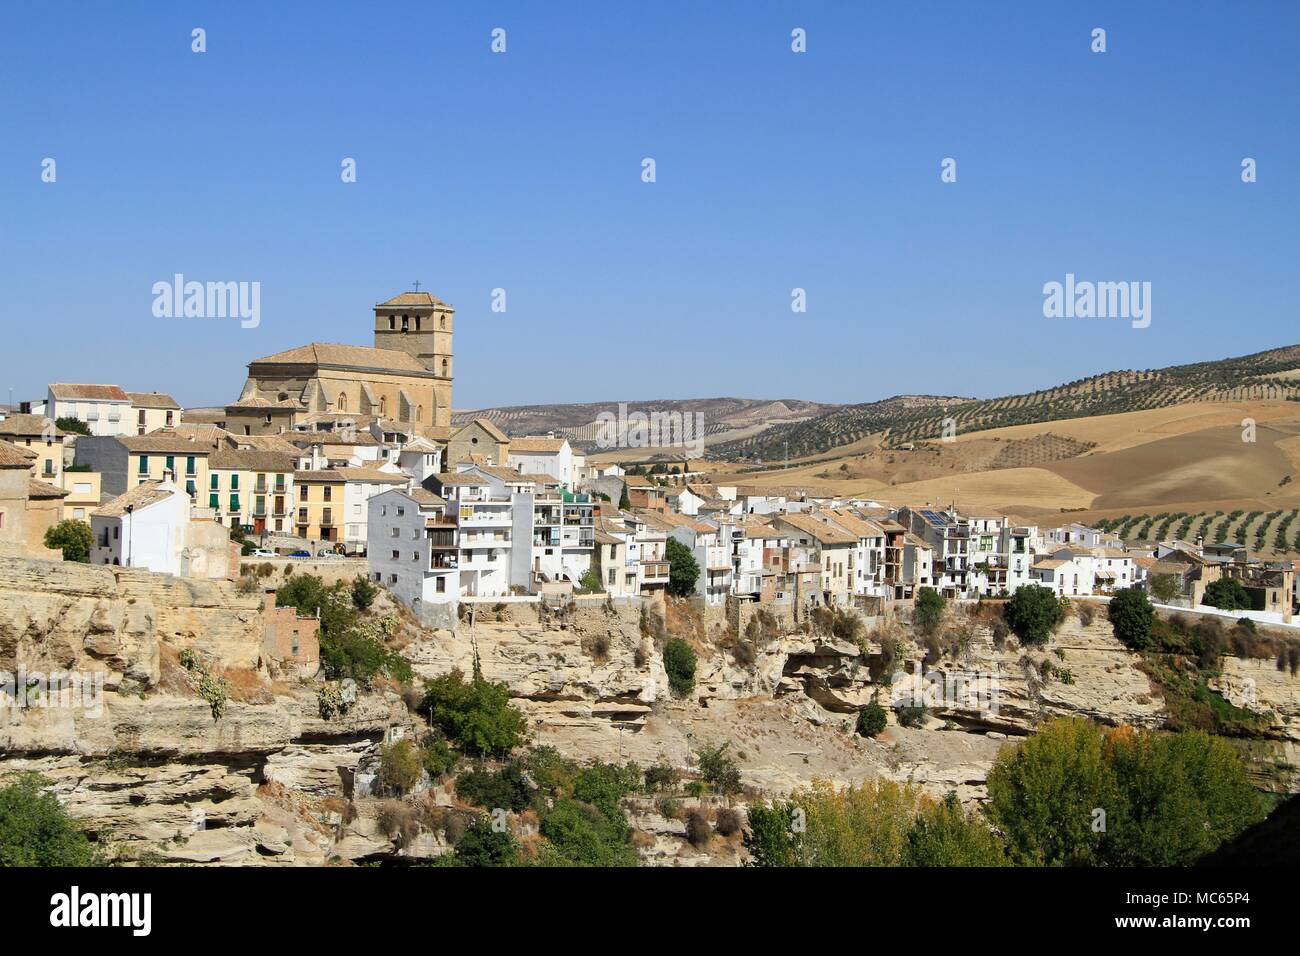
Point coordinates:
pixel 84 494
pixel 319 504
pixel 38 434
pixel 151 411
pixel 250 488
pixel 183 458
pixel 405 377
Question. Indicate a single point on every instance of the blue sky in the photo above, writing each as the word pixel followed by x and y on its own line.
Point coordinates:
pixel 775 170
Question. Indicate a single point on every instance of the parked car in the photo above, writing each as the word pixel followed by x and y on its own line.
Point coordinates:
pixel 330 554
pixel 300 554
pixel 263 553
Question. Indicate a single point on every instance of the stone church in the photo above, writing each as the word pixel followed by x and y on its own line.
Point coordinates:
pixel 404 378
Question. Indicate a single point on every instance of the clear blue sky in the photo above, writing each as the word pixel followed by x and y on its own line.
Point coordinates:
pixel 775 170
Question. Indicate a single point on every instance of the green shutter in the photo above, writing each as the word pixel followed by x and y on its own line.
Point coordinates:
pixel 144 464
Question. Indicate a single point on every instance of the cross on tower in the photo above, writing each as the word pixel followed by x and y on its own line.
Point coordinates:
pixel 417 285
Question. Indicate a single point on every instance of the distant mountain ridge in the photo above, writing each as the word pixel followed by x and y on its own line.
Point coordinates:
pixel 722 417
pixel 1274 373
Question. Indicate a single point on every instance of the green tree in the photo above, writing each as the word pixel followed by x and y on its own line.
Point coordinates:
pixel 73 537
pixel 772 839
pixel 1186 793
pixel 481 845
pixel 872 719
pixel 1043 794
pixel 718 769
pixel 1227 594
pixel 400 767
pixel 1131 615
pixel 679 664
pixel 476 715
pixel 35 830
pixel 928 612
pixel 943 834
pixel 74 425
pixel 683 569
pixel 590 581
pixel 581 835
pixel 1164 587
pixel 1033 613
pixel 624 502
pixel 363 592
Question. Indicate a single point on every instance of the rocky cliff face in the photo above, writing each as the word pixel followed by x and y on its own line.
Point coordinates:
pixel 156 776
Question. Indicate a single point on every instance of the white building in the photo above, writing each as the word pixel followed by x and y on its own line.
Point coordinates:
pixel 151 527
pixel 105 409
pixel 412 549
pixel 543 455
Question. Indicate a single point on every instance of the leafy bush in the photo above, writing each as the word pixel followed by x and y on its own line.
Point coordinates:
pixel 718 769
pixel 363 592
pixel 603 785
pixel 476 715
pixel 728 821
pixel 359 654
pixel 505 789
pixel 661 777
pixel 679 664
pixel 872 719
pixel 928 612
pixel 437 756
pixel 1033 613
pixel 942 834
pixel 36 831
pixel 579 834
pixel 912 715
pixel 399 767
pixel 481 845
pixel 73 537
pixel 1131 616
pixel 1227 594
pixel 772 840
pixel 698 831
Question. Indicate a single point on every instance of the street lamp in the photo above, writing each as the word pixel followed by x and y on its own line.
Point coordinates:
pixel 129 532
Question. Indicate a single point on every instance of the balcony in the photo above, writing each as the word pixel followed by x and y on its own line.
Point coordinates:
pixel 442 562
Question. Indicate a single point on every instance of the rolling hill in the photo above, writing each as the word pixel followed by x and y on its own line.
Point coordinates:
pixel 724 419
pixel 1274 374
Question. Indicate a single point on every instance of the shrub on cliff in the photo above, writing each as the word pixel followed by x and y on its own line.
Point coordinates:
pixel 476 715
pixel 1033 613
pixel 872 719
pixel 928 612
pixel 484 845
pixel 1131 616
pixel 679 664
pixel 399 767
pixel 35 830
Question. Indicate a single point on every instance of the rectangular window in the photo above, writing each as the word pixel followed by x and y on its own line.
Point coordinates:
pixel 191 465
pixel 190 488
pixel 441 586
pixel 234 481
pixel 171 464
pixel 213 482
pixel 144 465
pixel 214 501
pixel 234 503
